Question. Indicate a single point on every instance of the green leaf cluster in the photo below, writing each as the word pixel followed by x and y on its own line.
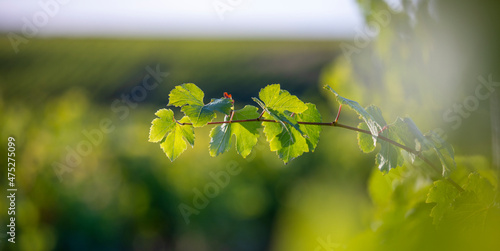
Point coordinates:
pixel 404 132
pixel 280 119
pixel 407 201
pixel 292 128
pixel 469 207
pixel 288 138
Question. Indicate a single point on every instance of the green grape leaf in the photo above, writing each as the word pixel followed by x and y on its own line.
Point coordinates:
pixel 474 208
pixel 279 104
pixel 470 208
pixel 222 105
pixel 280 117
pixel 365 141
pixel 162 125
pixel 187 130
pixel 285 140
pixel 285 136
pixel 444 151
pixel 376 114
pixel 286 118
pixel 482 187
pixel 220 139
pixel 246 134
pixel 443 194
pixel 186 94
pixel 370 121
pixel 174 144
pixel 389 157
pixel 171 135
pixel 408 134
pixel 190 98
pixel 311 131
pixel 421 143
pixel 280 100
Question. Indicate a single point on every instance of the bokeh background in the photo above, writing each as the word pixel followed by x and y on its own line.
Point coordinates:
pixel 417 58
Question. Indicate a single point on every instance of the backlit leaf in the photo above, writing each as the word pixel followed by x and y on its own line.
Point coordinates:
pixel 280 100
pixel 311 131
pixel 190 98
pixel 162 125
pixel 171 135
pixel 285 140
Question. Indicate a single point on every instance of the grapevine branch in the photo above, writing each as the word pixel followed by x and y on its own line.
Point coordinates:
pixel 335 123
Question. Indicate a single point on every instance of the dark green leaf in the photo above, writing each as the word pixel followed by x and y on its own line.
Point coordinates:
pixel 246 134
pixel 370 121
pixel 444 151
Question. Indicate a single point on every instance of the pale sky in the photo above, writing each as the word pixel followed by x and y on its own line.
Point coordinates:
pixel 184 18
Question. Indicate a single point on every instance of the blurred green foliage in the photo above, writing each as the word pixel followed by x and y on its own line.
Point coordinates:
pixel 105 69
pixel 424 62
pixel 125 194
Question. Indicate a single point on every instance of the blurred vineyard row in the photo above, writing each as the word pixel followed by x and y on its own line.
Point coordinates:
pixel 124 194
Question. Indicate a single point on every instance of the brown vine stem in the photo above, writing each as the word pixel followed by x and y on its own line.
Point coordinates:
pixel 334 123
